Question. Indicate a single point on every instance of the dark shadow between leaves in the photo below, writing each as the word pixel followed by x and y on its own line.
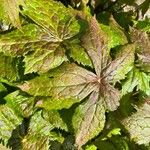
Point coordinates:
pixel 15 142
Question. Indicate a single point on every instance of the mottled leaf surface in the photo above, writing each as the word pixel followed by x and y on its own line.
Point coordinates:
pixel 66 81
pixel 22 104
pixel 138 124
pixel 138 79
pixel 39 133
pixel 143 48
pixel 8 121
pixel 78 53
pixel 10 11
pixel 8 67
pixel 115 33
pixel 89 119
pixel 54 118
pixel 41 44
pixel 72 81
pixel 55 18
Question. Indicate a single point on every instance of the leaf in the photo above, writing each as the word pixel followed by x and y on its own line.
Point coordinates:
pixel 2 88
pixel 123 63
pixel 143 45
pixel 54 118
pixel 61 83
pixel 21 104
pixel 136 78
pixel 39 133
pixel 115 33
pixel 77 52
pixel 33 39
pixel 55 18
pixel 91 147
pixel 95 43
pixel 19 42
pixel 38 143
pixel 43 60
pixel 8 67
pixel 8 121
pixel 70 81
pixel 56 104
pixel 10 11
pixel 38 125
pixel 144 25
pixel 138 124
pixel 89 119
pixel 42 45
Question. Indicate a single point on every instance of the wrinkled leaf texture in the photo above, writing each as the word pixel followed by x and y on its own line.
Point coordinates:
pixel 138 124
pixel 72 81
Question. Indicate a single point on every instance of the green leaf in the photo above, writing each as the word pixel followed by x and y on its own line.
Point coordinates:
pixel 115 33
pixel 3 147
pixel 136 78
pixel 123 63
pixel 141 40
pixel 42 45
pixel 8 68
pixel 77 52
pixel 8 121
pixel 65 82
pixel 44 53
pixel 38 125
pixel 91 147
pixel 23 105
pixel 115 131
pixel 43 60
pixel 2 88
pixel 144 25
pixel 39 133
pixel 54 118
pixel 56 104
pixel 89 119
pixel 10 11
pixel 19 42
pixel 55 18
pixel 138 124
pixel 38 143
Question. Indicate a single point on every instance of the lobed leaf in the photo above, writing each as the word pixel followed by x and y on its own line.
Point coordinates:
pixel 41 44
pixel 69 83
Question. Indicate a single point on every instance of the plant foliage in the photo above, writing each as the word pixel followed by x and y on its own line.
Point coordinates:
pixel 74 75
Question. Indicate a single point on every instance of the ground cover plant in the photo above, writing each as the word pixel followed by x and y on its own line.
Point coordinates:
pixel 75 75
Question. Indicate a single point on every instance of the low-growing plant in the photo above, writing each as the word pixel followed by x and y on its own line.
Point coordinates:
pixel 74 75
